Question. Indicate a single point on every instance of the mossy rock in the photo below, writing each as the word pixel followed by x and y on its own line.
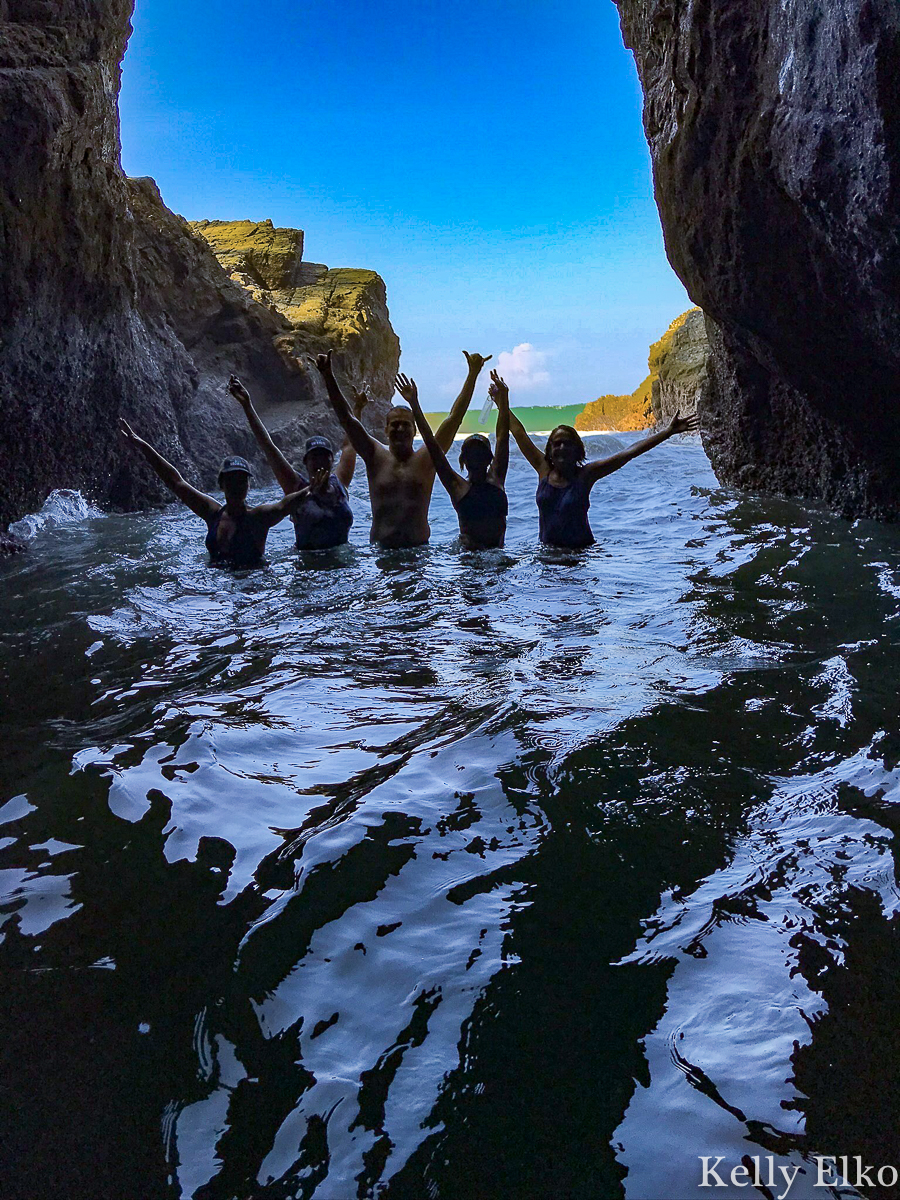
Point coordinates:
pixel 343 309
pixel 678 365
pixel 270 257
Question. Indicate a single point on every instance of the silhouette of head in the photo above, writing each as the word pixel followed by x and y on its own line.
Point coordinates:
pixel 475 454
pixel 319 455
pixel 234 478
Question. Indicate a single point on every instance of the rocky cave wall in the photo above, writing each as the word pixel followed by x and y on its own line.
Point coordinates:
pixel 679 368
pixel 111 305
pixel 677 382
pixel 774 130
pixel 343 308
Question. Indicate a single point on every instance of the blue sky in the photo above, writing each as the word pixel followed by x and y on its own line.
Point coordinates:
pixel 487 161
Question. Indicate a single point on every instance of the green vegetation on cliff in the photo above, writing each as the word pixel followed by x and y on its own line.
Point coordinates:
pixel 659 350
pixel 679 366
pixel 270 258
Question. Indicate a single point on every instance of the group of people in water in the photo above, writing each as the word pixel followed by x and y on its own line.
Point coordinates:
pixel 401 477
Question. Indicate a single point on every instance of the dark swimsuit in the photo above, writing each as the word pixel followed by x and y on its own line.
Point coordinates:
pixel 243 549
pixel 564 513
pixel 319 525
pixel 482 502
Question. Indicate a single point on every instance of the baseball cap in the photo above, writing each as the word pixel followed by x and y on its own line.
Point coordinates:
pixel 318 443
pixel 235 464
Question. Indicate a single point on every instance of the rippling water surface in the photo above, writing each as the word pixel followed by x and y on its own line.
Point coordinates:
pixel 525 873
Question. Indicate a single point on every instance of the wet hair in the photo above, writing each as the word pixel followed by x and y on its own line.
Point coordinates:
pixel 478 443
pixel 573 435
pixel 402 411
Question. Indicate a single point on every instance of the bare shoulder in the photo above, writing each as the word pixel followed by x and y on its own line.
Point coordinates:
pixel 422 460
pixel 381 455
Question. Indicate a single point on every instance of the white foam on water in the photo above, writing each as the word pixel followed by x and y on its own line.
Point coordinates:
pixel 62 507
pixel 461 437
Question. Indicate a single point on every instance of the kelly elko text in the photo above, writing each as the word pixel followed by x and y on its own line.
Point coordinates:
pixel 831 1171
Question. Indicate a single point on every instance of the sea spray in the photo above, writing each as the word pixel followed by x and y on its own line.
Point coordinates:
pixel 62 507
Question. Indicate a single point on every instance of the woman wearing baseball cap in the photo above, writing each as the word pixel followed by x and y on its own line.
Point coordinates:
pixel 324 518
pixel 235 534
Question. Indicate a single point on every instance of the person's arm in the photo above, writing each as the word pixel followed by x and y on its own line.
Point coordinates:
pixel 288 505
pixel 347 462
pixel 500 395
pixel 454 483
pixel 198 502
pixel 605 466
pixel 361 441
pixel 530 451
pixel 449 427
pixel 288 479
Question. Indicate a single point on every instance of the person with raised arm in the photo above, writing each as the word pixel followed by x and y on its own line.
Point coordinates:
pixel 401 478
pixel 480 498
pixel 324 518
pixel 235 534
pixel 565 479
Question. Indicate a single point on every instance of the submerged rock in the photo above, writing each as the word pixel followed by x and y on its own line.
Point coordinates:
pixel 774 129
pixel 10 544
pixel 110 305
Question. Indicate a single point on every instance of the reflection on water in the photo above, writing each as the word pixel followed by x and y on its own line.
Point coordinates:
pixel 432 873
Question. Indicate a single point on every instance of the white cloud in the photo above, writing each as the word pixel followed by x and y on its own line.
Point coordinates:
pixel 522 367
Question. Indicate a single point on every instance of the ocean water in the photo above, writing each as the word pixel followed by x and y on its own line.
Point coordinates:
pixel 439 874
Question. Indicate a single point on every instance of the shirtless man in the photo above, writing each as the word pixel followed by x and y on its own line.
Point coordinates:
pixel 401 478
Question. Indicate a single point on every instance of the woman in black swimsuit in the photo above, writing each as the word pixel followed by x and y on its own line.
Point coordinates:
pixel 565 479
pixel 235 534
pixel 324 519
pixel 480 500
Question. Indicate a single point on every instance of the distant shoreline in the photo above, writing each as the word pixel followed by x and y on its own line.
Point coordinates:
pixel 537 419
pixel 489 429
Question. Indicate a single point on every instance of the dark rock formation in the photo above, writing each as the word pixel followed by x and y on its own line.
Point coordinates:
pixel 109 304
pixel 200 326
pixel 679 368
pixel 774 128
pixel 10 544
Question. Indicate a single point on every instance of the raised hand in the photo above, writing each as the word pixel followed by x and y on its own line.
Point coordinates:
pixel 360 400
pixel 408 390
pixel 318 480
pixel 238 390
pixel 322 362
pixel 680 424
pixel 128 433
pixel 498 391
pixel 476 361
